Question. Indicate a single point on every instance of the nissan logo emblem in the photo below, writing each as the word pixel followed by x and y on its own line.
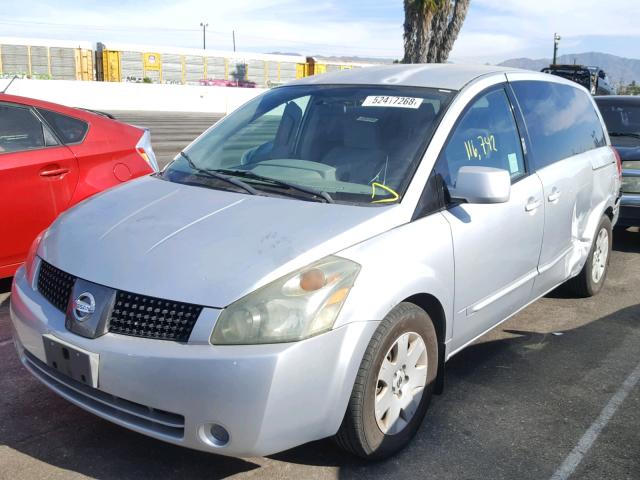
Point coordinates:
pixel 84 306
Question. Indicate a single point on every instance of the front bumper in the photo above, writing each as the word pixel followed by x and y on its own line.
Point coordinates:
pixel 629 210
pixel 268 397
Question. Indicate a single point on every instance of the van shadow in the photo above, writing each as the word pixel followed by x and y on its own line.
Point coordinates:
pixel 627 240
pixel 526 370
pixel 74 440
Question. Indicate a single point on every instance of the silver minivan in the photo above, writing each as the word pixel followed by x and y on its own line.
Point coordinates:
pixel 305 268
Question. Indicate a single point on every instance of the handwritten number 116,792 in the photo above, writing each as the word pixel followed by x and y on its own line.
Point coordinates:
pixel 487 145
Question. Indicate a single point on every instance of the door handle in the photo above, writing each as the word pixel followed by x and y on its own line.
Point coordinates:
pixel 532 204
pixel 54 172
pixel 554 195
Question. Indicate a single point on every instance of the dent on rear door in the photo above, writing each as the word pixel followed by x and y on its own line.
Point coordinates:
pixel 594 182
pixel 567 192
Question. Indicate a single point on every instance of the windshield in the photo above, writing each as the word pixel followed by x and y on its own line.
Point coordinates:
pixel 621 117
pixel 355 144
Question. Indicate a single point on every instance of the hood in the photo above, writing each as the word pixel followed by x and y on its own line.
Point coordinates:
pixel 200 245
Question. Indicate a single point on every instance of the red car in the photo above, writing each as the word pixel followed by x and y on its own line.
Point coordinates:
pixel 52 157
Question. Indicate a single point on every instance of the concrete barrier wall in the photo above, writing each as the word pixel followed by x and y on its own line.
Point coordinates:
pixel 133 96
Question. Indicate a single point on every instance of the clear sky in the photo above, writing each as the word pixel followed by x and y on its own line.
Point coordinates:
pixel 494 30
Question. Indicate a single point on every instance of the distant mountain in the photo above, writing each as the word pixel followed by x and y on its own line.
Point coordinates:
pixel 620 70
pixel 286 53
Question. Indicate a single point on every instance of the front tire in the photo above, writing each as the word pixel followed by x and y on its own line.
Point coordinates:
pixel 592 276
pixel 394 385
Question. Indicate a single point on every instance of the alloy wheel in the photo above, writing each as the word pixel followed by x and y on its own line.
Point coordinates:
pixel 600 256
pixel 401 381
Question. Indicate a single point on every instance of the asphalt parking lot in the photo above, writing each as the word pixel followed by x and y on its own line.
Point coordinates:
pixel 554 390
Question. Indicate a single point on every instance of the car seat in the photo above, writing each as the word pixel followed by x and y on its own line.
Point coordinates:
pixel 359 157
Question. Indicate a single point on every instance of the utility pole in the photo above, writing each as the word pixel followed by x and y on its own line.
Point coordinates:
pixel 233 32
pixel 204 35
pixel 556 39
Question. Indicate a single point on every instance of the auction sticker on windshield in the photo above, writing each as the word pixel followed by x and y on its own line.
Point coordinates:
pixel 390 101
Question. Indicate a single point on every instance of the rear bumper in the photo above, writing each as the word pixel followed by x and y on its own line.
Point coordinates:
pixel 268 397
pixel 629 210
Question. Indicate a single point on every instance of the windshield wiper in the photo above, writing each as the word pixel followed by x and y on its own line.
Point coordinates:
pixel 319 194
pixel 218 176
pixel 625 134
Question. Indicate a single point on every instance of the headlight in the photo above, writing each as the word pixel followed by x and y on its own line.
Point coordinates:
pixel 296 306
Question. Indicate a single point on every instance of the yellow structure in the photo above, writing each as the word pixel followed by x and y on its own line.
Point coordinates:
pixel 110 61
pixel 123 62
pixel 317 65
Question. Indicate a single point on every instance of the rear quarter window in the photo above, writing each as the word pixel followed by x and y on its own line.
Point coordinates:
pixel 68 129
pixel 561 120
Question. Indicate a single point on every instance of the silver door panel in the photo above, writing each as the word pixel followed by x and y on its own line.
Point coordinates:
pixel 496 250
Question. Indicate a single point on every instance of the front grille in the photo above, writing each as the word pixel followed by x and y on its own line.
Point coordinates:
pixel 132 314
pixel 55 285
pixel 132 414
pixel 149 317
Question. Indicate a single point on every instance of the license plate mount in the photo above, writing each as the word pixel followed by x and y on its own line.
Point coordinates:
pixel 71 361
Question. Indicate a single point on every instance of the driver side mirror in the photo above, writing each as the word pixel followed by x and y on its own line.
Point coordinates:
pixel 601 74
pixel 482 185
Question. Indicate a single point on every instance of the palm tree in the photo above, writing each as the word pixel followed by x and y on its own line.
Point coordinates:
pixel 431 27
pixel 445 26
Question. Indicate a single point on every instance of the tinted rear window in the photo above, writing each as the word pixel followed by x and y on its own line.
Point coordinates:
pixel 68 129
pixel 561 120
pixel 621 116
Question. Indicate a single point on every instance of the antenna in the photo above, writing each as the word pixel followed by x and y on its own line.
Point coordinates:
pixel 9 84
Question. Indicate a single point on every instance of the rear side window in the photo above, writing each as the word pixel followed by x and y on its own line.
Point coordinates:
pixel 19 129
pixel 561 120
pixel 621 116
pixel 68 129
pixel 486 135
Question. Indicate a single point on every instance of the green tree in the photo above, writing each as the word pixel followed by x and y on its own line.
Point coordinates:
pixel 632 89
pixel 431 28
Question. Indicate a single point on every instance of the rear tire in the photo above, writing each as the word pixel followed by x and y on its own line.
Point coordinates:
pixel 406 343
pixel 594 273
